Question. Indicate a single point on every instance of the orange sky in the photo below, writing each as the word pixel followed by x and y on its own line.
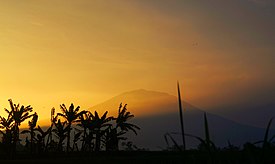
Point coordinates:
pixel 85 52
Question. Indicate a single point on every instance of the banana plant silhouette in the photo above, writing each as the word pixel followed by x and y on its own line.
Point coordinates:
pixel 41 137
pixel 60 130
pixel 71 115
pixel 18 114
pixel 85 123
pixel 76 138
pixel 49 139
pixel 114 135
pixel 32 125
pixel 96 126
pixel 7 124
pixel 122 120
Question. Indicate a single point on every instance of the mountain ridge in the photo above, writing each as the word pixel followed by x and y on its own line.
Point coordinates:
pixel 136 97
pixel 157 113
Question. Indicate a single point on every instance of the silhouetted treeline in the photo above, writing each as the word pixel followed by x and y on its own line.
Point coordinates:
pixel 81 134
pixel 70 131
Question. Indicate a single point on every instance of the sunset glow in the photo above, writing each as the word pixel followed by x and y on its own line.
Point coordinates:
pixel 85 52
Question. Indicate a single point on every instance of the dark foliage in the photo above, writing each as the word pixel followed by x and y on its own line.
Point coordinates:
pixel 86 136
pixel 80 130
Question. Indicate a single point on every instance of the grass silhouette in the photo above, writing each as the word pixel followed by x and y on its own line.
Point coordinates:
pixel 181 117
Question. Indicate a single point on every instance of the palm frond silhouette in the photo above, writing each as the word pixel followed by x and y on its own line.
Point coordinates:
pixel 93 130
pixel 114 135
pixel 18 114
pixel 71 115
pixel 32 125
pixel 97 127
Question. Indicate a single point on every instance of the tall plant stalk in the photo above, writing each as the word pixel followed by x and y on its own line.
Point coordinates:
pixel 181 118
pixel 49 139
pixel 206 130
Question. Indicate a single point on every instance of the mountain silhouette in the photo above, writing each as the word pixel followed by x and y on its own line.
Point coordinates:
pixel 140 102
pixel 156 113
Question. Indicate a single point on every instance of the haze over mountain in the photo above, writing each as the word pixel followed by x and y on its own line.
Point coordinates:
pixel 157 113
pixel 140 102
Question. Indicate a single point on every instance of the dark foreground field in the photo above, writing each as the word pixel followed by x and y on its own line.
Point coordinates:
pixel 135 157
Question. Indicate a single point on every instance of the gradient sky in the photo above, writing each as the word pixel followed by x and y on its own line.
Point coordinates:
pixel 84 51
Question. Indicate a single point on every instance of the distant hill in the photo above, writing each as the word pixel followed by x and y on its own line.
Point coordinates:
pixel 157 113
pixel 140 102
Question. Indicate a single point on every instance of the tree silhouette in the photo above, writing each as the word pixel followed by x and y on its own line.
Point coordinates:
pixel 60 131
pixel 32 125
pixel 18 115
pixel 95 130
pixel 122 126
pixel 70 116
pixel 76 138
pixel 41 137
pixel 96 127
pixel 122 120
pixel 85 122
pixel 7 136
pixel 49 139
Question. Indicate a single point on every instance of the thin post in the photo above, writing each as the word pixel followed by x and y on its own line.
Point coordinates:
pixel 181 117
